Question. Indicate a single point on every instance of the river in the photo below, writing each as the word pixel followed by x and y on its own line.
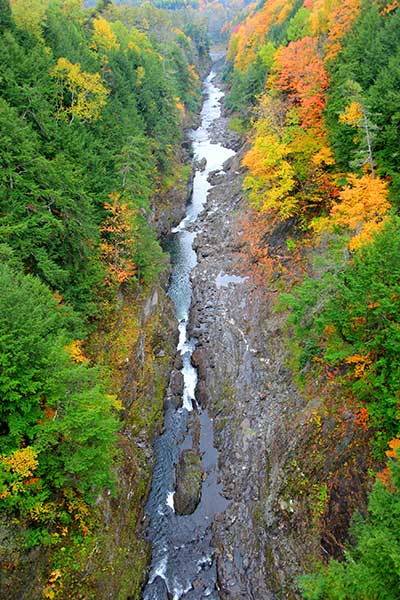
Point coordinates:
pixel 183 561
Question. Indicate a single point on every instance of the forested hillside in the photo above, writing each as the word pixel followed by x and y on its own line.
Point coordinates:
pixel 315 86
pixel 93 105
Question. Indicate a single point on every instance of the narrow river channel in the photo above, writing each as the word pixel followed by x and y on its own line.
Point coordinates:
pixel 183 562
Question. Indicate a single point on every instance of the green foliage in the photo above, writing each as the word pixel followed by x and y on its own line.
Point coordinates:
pixel 349 314
pixel 370 57
pixel 6 21
pixel 239 125
pixel 299 25
pixel 370 568
pixel 246 86
pixel 279 33
pixel 57 407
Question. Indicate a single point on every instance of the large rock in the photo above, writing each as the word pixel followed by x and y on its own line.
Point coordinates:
pixel 157 589
pixel 199 360
pixel 189 477
pixel 176 384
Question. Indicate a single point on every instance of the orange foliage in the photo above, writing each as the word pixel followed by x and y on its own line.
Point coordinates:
pixel 180 106
pixel 248 37
pixel 287 163
pixel 193 73
pixel 361 207
pixel 390 7
pixel 394 453
pixel 260 264
pixel 119 241
pixel 300 71
pixel 332 19
pixel 362 418
pixel 329 20
pixel 362 363
pixel 394 446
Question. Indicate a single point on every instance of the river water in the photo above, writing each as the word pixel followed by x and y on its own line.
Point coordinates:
pixel 183 562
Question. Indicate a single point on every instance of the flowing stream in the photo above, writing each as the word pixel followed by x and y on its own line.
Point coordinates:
pixel 183 564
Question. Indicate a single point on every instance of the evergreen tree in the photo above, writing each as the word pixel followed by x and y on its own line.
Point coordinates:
pixel 6 20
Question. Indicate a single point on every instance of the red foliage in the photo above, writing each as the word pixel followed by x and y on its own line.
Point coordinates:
pixel 256 251
pixel 301 72
pixel 362 418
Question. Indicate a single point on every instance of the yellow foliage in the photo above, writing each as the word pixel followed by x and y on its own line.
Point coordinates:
pixel 20 464
pixel 362 206
pixel 192 72
pixel 352 115
pixel 88 94
pixel 104 39
pixel 272 177
pixel 76 352
pixel 367 233
pixel 138 41
pixel 361 364
pixel 133 46
pixel 140 74
pixel 115 402
pixel 251 34
pixel 323 157
pixel 332 19
pixel 329 330
pixel 30 15
pixel 78 509
pixel 41 512
pixel 233 47
pixel 180 106
pixel 54 575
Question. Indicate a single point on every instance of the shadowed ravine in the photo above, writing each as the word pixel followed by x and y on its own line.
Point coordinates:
pixel 183 563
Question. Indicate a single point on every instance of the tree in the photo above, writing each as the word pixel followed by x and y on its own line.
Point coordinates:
pixel 356 115
pixel 103 39
pixel 82 95
pixel 57 408
pixel 301 72
pixel 271 181
pixel 30 15
pixel 6 20
pixel 362 206
pixel 370 567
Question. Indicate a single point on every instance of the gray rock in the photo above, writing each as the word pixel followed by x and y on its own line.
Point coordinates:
pixel 189 478
pixel 176 383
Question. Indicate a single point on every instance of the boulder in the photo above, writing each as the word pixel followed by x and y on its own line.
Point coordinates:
pixel 189 477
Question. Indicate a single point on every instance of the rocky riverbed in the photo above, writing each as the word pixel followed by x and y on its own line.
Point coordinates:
pixel 244 382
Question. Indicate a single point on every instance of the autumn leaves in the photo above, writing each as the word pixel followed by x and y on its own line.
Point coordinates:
pixel 291 166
